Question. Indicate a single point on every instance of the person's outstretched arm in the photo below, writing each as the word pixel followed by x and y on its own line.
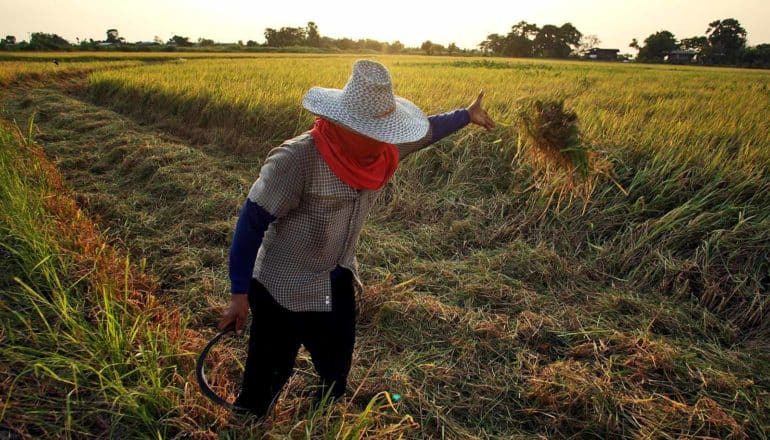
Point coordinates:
pixel 444 124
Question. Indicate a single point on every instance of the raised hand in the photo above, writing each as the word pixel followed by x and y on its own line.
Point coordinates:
pixel 479 116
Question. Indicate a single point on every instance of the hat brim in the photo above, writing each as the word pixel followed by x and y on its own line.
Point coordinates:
pixel 407 123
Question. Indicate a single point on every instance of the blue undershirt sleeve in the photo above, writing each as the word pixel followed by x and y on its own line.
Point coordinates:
pixel 444 124
pixel 253 221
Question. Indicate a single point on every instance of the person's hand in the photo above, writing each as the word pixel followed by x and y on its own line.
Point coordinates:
pixel 236 313
pixel 478 115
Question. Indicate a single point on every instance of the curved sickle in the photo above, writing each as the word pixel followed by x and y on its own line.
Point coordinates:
pixel 202 382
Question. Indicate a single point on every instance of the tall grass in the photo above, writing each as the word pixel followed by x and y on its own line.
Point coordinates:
pixel 86 348
pixel 676 113
pixel 31 69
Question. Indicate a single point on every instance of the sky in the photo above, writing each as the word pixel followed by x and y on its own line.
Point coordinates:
pixel 465 23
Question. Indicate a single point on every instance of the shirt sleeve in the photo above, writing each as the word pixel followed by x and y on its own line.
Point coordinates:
pixel 441 126
pixel 253 221
pixel 279 186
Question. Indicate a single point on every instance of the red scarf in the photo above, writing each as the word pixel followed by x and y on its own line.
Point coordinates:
pixel 359 161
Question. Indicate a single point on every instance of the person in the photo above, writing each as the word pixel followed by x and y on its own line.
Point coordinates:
pixel 292 259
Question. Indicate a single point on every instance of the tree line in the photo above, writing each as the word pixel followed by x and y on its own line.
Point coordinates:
pixel 724 43
pixel 528 40
pixel 306 38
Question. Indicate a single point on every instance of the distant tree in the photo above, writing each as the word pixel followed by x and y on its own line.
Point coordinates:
pixel 345 43
pixel 252 43
pixel 43 41
pixel 634 44
pixel 520 40
pixel 370 44
pixel 180 41
pixel 112 36
pixel 570 35
pixel 588 42
pixel 524 29
pixel 452 48
pixel 86 43
pixel 698 43
pixel 548 43
pixel 758 56
pixel 286 36
pixel 10 39
pixel 727 38
pixel 484 46
pixel 313 36
pixel 556 42
pixel 427 47
pixel 396 47
pixel 328 43
pixel 157 40
pixel 494 43
pixel 271 37
pixel 657 46
pixel 439 49
pixel 205 42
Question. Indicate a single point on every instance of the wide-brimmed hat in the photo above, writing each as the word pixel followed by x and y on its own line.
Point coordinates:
pixel 368 106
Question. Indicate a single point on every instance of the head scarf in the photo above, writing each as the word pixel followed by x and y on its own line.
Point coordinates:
pixel 359 161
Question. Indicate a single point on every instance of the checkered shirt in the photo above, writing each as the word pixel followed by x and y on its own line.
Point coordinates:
pixel 318 221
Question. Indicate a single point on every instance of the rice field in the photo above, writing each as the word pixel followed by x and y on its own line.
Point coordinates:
pixel 497 304
pixel 40 68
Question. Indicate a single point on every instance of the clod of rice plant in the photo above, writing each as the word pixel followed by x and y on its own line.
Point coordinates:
pixel 567 167
pixel 554 134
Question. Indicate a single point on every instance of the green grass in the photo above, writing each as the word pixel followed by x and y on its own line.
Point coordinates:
pixel 494 308
pixel 83 354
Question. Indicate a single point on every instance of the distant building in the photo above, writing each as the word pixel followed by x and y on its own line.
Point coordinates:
pixel 602 54
pixel 681 56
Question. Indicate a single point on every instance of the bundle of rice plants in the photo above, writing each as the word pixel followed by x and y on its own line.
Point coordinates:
pixel 567 166
pixel 555 136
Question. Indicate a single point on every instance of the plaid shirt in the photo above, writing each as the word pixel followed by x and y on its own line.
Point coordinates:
pixel 318 221
pixel 314 219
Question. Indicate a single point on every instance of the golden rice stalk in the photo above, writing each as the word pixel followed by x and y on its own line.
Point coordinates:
pixel 554 134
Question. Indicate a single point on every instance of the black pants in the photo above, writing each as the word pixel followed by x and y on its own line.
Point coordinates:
pixel 276 335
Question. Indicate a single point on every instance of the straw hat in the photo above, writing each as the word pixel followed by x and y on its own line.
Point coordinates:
pixel 368 106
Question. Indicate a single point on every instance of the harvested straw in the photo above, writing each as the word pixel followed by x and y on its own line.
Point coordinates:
pixel 567 167
pixel 554 134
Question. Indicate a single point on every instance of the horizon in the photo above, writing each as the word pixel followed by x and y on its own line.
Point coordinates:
pixel 615 23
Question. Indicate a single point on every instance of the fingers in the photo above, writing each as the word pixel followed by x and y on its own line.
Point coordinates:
pixel 226 320
pixel 240 322
pixel 489 123
pixel 477 102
